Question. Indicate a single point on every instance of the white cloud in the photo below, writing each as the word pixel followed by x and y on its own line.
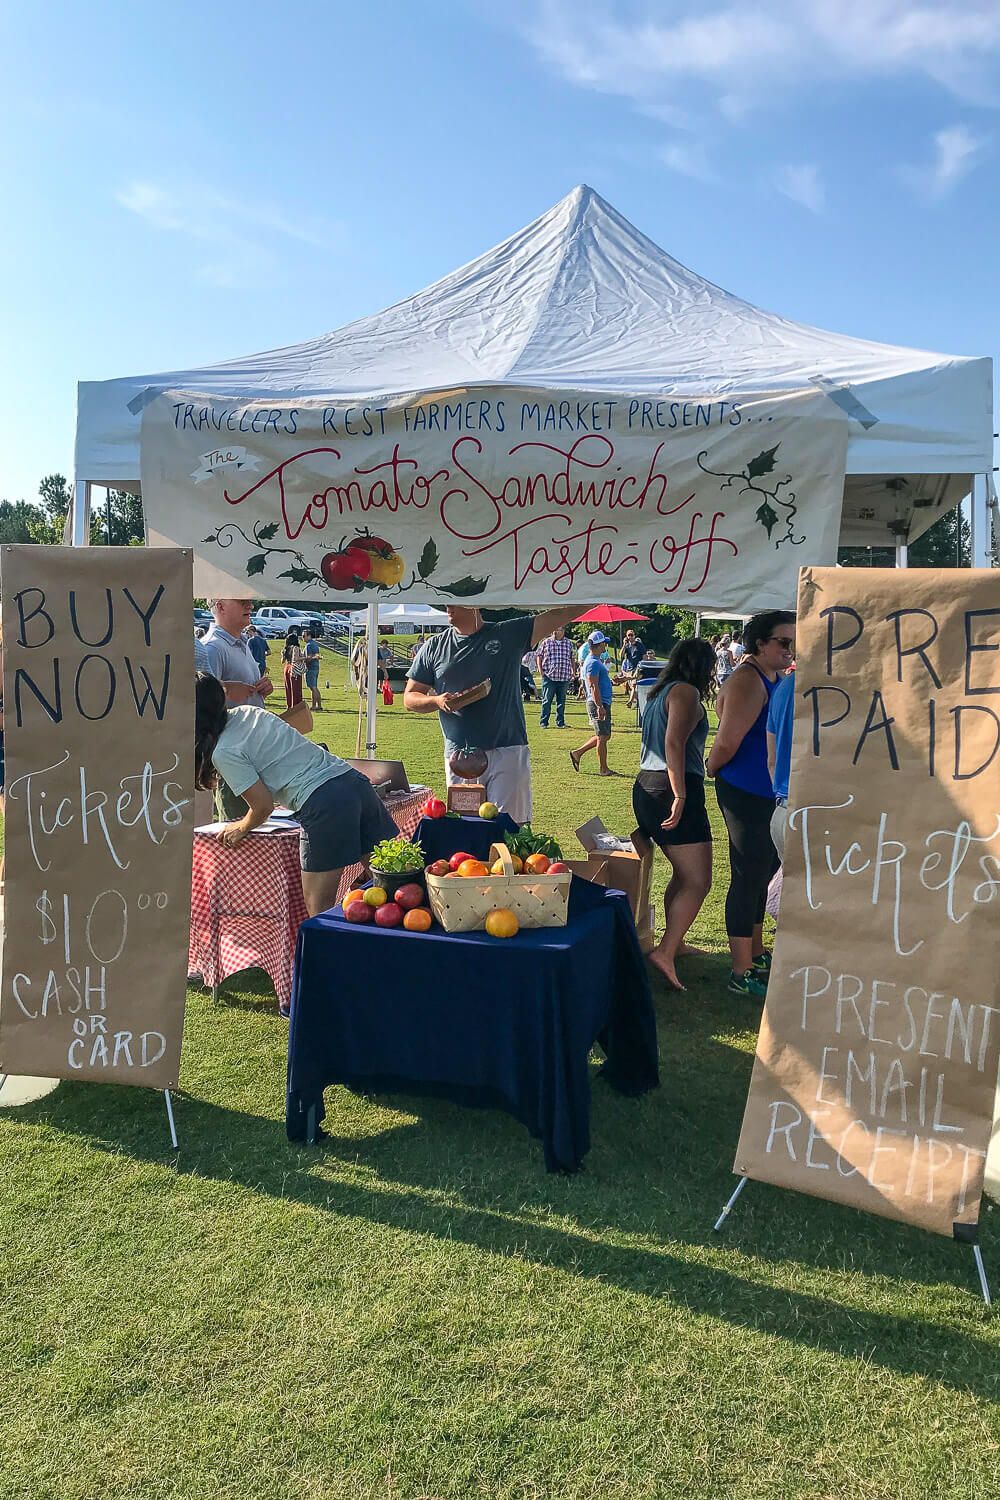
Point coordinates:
pixel 657 52
pixel 689 158
pixel 803 185
pixel 242 233
pixel 955 152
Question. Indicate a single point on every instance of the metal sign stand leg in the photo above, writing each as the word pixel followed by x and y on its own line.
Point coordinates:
pixel 729 1206
pixel 984 1285
pixel 170 1118
pixel 977 1253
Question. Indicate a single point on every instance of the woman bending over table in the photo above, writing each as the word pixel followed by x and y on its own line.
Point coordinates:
pixel 668 797
pixel 738 761
pixel 269 764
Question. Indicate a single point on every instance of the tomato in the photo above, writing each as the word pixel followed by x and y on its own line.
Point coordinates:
pixel 434 808
pixel 418 920
pixel 473 868
pixel 502 923
pixel 536 864
pixel 456 859
pixel 409 896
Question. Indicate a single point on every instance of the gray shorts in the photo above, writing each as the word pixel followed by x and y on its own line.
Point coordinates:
pixel 601 727
pixel 341 823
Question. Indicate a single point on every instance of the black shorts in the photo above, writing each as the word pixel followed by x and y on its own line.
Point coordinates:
pixel 342 822
pixel 652 799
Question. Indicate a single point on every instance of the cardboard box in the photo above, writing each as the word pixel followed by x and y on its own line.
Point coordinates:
pixel 628 869
pixel 466 797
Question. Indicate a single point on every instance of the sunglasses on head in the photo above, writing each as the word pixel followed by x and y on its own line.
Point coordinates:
pixel 786 642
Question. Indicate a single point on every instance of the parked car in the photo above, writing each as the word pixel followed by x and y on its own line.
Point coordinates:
pixel 203 617
pixel 276 620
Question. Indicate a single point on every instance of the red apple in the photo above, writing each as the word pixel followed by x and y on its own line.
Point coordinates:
pixel 409 896
pixel 456 859
pixel 557 868
pixel 360 911
pixel 439 867
pixel 388 915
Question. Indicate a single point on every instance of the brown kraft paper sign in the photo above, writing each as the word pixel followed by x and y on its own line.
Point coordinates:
pixel 98 728
pixel 873 1083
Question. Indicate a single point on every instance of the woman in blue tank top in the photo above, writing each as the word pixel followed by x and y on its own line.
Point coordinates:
pixel 738 761
pixel 669 792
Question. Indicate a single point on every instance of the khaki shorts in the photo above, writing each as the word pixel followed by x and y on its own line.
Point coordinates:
pixel 507 779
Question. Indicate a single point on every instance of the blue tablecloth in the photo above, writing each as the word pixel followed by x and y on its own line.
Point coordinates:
pixel 440 838
pixel 499 1023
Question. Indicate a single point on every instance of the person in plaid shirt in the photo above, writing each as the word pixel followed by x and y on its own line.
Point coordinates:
pixel 555 659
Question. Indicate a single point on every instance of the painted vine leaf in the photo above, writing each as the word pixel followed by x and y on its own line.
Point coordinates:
pixel 213 538
pixel 256 564
pixel 428 559
pixel 299 575
pixel 463 588
pixel 762 464
pixel 266 533
pixel 768 517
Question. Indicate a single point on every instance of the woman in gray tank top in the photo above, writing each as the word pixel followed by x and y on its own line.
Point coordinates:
pixel 669 792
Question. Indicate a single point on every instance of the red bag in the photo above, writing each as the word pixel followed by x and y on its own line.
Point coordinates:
pixel 386 694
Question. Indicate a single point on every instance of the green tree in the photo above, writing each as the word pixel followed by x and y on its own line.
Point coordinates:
pixel 946 544
pixel 121 515
pixel 54 497
pixel 16 519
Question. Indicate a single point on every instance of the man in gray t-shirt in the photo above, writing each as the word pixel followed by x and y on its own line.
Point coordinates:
pixel 461 657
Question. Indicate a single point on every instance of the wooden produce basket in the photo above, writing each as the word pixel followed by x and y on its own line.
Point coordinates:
pixel 463 905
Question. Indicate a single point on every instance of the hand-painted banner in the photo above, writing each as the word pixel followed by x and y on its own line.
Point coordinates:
pixel 877 1060
pixel 98 716
pixel 498 496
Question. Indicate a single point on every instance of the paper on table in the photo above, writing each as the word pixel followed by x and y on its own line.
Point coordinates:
pixel 281 825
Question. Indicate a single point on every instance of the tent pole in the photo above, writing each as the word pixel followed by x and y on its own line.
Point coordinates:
pixel 979 515
pixel 902 555
pixel 372 679
pixel 697 624
pixel 80 514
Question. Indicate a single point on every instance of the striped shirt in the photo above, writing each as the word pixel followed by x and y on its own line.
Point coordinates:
pixel 556 659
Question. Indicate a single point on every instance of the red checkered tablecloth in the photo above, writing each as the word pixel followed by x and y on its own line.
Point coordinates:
pixel 246 908
pixel 247 903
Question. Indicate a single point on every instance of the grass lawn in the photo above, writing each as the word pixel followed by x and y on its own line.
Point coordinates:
pixel 419 1310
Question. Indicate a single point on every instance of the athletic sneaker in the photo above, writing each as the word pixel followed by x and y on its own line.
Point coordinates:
pixel 761 965
pixel 747 984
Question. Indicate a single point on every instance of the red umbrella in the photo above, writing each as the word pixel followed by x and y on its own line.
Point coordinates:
pixel 606 614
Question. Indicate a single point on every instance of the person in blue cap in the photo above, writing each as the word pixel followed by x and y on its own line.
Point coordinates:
pixel 597 685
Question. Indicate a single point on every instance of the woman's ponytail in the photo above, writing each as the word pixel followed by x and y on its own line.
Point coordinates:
pixel 209 722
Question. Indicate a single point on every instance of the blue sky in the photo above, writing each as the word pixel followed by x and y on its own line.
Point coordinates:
pixel 193 182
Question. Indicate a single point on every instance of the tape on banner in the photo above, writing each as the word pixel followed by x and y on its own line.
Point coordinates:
pixel 144 397
pixel 844 397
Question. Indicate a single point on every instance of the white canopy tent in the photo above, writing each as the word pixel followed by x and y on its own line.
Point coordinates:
pixel 581 300
pixel 420 615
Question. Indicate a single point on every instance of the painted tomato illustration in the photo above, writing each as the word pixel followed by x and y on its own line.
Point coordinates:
pixel 387 570
pixel 348 569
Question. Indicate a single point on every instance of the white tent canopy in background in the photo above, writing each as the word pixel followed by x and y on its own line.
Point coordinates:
pixel 420 615
pixel 581 300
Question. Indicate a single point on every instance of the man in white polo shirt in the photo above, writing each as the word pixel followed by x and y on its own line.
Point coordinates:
pixel 231 660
